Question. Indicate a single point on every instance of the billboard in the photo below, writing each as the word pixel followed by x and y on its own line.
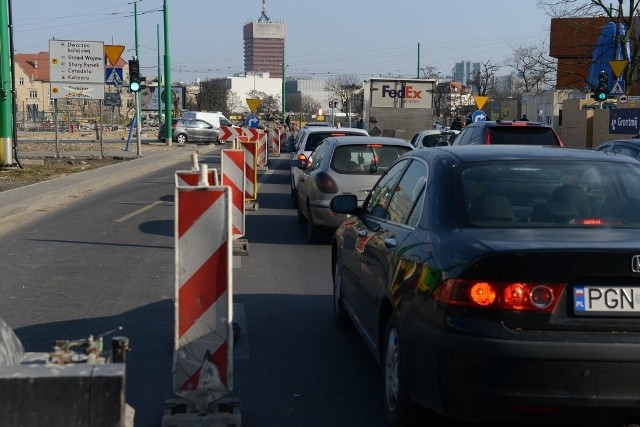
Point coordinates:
pixel 149 98
pixel 401 93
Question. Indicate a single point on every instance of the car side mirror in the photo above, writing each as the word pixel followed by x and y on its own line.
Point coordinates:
pixel 300 164
pixel 344 204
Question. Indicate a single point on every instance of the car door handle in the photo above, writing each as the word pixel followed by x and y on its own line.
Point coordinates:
pixel 390 242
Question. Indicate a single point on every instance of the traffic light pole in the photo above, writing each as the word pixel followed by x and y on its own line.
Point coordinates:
pixel 137 96
pixel 6 107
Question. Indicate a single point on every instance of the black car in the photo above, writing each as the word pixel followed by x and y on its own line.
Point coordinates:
pixel 628 147
pixel 508 132
pixel 498 284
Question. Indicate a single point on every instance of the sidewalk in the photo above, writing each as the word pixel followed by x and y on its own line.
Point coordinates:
pixel 18 203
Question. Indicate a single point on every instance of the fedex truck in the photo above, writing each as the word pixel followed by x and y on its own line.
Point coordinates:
pixel 398 107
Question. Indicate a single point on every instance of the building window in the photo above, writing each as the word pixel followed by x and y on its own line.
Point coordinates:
pixel 21 81
pixel 69 102
pixel 51 102
pixel 33 94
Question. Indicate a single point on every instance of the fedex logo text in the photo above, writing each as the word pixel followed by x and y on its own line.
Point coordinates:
pixel 406 92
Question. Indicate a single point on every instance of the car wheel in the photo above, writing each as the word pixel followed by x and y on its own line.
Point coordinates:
pixel 181 139
pixel 397 403
pixel 313 231
pixel 340 316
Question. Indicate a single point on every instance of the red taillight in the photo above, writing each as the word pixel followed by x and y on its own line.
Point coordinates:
pixel 513 296
pixel 488 137
pixel 173 125
pixel 325 183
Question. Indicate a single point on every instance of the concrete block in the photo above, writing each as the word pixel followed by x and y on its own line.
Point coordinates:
pixel 35 394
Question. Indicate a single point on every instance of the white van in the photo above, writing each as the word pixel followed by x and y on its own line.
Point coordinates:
pixel 215 119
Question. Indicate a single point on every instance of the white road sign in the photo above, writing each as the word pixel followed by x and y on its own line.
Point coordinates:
pixel 76 69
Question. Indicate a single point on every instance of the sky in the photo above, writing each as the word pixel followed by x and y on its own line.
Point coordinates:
pixel 364 38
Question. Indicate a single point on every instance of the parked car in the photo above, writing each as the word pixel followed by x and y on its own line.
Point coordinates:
pixel 433 138
pixel 214 118
pixel 498 285
pixel 508 132
pixel 190 130
pixel 628 147
pixel 341 165
pixel 307 140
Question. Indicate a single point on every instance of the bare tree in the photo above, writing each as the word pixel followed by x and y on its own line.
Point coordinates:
pixel 234 103
pixel 482 80
pixel 623 14
pixel 536 70
pixel 308 106
pixel 212 96
pixel 342 87
pixel 430 72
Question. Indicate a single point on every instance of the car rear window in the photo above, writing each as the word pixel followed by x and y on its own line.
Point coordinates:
pixel 521 135
pixel 535 194
pixel 365 159
pixel 314 139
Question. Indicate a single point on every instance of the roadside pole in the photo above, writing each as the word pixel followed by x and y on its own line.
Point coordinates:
pixel 6 107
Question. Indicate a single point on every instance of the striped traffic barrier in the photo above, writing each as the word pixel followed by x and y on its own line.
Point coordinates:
pixel 192 177
pixel 274 141
pixel 263 156
pixel 234 176
pixel 251 170
pixel 203 356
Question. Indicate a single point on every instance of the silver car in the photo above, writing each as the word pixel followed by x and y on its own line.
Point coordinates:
pixel 341 165
pixel 306 141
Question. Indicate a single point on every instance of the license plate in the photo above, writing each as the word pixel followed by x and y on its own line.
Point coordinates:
pixel 606 300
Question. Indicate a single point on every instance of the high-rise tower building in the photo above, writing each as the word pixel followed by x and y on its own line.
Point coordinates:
pixel 264 45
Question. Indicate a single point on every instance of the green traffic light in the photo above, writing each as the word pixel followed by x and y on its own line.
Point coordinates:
pixel 134 87
pixel 602 96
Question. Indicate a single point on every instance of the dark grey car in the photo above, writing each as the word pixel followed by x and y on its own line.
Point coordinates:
pixel 190 130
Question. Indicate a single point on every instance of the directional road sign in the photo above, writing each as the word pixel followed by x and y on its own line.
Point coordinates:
pixel 251 120
pixel 478 116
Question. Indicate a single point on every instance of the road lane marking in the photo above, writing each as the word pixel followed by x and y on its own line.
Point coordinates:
pixel 139 211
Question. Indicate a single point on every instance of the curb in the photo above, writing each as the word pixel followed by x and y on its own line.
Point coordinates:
pixel 17 202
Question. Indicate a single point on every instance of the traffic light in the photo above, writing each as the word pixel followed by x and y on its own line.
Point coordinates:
pixel 330 104
pixel 135 80
pixel 602 91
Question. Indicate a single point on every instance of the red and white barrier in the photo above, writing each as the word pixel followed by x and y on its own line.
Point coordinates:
pixel 234 176
pixel 263 143
pixel 192 178
pixel 203 356
pixel 251 171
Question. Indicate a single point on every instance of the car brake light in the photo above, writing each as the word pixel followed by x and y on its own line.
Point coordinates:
pixel 325 183
pixel 483 293
pixel 338 134
pixel 488 137
pixel 512 296
pixel 374 145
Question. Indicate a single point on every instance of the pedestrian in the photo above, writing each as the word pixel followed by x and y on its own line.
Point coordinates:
pixel 287 121
pixel 360 123
pixel 456 125
pixel 524 118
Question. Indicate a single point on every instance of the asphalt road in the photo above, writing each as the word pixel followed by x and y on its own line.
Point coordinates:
pixel 106 259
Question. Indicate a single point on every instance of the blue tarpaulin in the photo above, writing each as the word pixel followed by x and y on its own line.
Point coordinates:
pixel 604 52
